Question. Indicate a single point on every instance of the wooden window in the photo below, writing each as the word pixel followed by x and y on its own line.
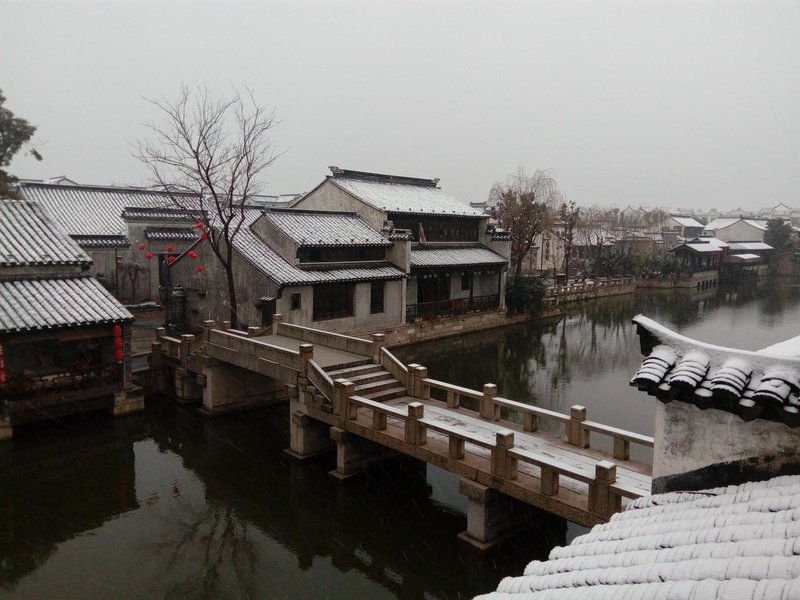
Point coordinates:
pixel 296 299
pixel 333 301
pixel 376 297
pixel 465 281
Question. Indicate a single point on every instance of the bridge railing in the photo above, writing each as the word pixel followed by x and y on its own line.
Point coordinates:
pixel 395 367
pixel 234 341
pixel 605 492
pixel 576 428
pixel 336 341
pixel 322 381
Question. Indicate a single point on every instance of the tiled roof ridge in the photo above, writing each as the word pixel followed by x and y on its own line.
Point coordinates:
pixel 310 211
pixel 103 188
pixel 337 173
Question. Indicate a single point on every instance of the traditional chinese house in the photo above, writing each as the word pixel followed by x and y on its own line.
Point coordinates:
pixel 64 339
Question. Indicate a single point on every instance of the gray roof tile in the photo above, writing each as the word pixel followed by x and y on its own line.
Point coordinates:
pixel 736 542
pixel 269 262
pixel 764 384
pixel 307 228
pixel 28 237
pixel 90 210
pixel 171 233
pixel 405 198
pixel 454 257
pixel 35 304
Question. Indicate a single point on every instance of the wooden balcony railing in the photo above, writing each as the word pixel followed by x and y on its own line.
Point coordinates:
pixel 451 308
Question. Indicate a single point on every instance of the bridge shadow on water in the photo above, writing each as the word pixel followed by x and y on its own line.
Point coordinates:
pixel 215 509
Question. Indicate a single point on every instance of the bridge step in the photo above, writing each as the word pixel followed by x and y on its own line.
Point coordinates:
pixel 369 377
pixel 377 386
pixel 383 395
pixel 352 371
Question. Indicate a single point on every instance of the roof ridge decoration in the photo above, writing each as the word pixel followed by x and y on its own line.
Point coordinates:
pixel 338 173
pixel 762 384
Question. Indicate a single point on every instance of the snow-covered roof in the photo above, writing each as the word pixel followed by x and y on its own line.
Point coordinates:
pixel 37 304
pixel 687 222
pixel 28 237
pixel 271 264
pixel 171 233
pixel 315 228
pixel 392 193
pixel 744 257
pixel 90 210
pixel 752 384
pixel 724 222
pixel 703 244
pixel 455 257
pixel 738 543
pixel 736 246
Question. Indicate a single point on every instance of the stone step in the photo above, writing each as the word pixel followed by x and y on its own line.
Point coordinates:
pixel 383 395
pixel 350 364
pixel 369 377
pixel 352 371
pixel 376 386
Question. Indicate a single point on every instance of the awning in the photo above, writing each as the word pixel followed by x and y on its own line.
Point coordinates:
pixel 455 257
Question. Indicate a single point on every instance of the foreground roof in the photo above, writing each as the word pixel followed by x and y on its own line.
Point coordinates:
pixel 724 222
pixel 37 304
pixel 313 228
pixel 761 384
pixel 271 264
pixel 29 238
pixel 739 542
pixel 455 257
pixel 90 210
pixel 392 193
pixel 688 222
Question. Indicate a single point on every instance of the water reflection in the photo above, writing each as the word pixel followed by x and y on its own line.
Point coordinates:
pixel 174 505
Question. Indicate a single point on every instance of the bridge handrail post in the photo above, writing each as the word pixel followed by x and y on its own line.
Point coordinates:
pixel 411 384
pixel 378 342
pixel 306 354
pixel 503 465
pixel 602 501
pixel 161 332
pixel 577 434
pixel 415 432
pixel 253 331
pixel 186 344
pixel 488 409
pixel 207 327
pixel 421 373
pixel 277 319
pixel 344 389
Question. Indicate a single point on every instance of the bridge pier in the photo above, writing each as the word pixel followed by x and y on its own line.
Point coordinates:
pixel 232 388
pixel 492 517
pixel 186 388
pixel 308 437
pixel 355 454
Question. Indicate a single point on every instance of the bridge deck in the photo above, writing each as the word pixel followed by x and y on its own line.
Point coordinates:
pixel 325 357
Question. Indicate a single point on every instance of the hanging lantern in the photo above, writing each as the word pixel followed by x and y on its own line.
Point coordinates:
pixel 204 236
pixel 170 248
pixel 171 259
pixel 117 331
pixel 119 355
pixel 200 268
pixel 141 246
pixel 192 254
pixel 118 343
pixel 149 256
pixel 200 226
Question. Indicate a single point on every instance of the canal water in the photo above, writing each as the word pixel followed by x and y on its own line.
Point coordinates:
pixel 168 504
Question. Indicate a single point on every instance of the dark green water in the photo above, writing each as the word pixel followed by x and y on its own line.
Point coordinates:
pixel 167 504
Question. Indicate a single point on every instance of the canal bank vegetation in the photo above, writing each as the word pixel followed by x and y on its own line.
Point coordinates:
pixel 525 294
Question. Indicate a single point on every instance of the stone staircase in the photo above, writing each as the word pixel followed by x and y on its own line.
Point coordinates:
pixel 371 381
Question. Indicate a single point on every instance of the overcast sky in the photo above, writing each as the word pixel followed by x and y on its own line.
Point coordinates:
pixel 654 103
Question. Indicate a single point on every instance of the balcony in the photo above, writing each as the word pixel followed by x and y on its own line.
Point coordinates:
pixel 451 308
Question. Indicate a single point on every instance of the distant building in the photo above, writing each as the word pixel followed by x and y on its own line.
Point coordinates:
pixel 686 227
pixel 64 340
pixel 736 228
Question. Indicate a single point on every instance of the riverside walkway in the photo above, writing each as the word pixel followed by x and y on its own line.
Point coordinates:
pixel 357 393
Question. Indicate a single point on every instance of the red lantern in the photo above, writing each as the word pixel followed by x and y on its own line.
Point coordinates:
pixel 170 248
pixel 119 354
pixel 192 254
pixel 118 343
pixel 141 246
pixel 171 259
pixel 149 256
pixel 200 225
pixel 200 268
pixel 204 236
pixel 117 331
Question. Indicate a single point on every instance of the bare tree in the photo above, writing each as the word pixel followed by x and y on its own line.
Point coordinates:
pixel 524 205
pixel 568 219
pixel 208 154
pixel 595 233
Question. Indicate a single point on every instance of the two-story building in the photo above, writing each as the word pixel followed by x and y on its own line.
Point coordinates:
pixel 454 259
pixel 64 340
